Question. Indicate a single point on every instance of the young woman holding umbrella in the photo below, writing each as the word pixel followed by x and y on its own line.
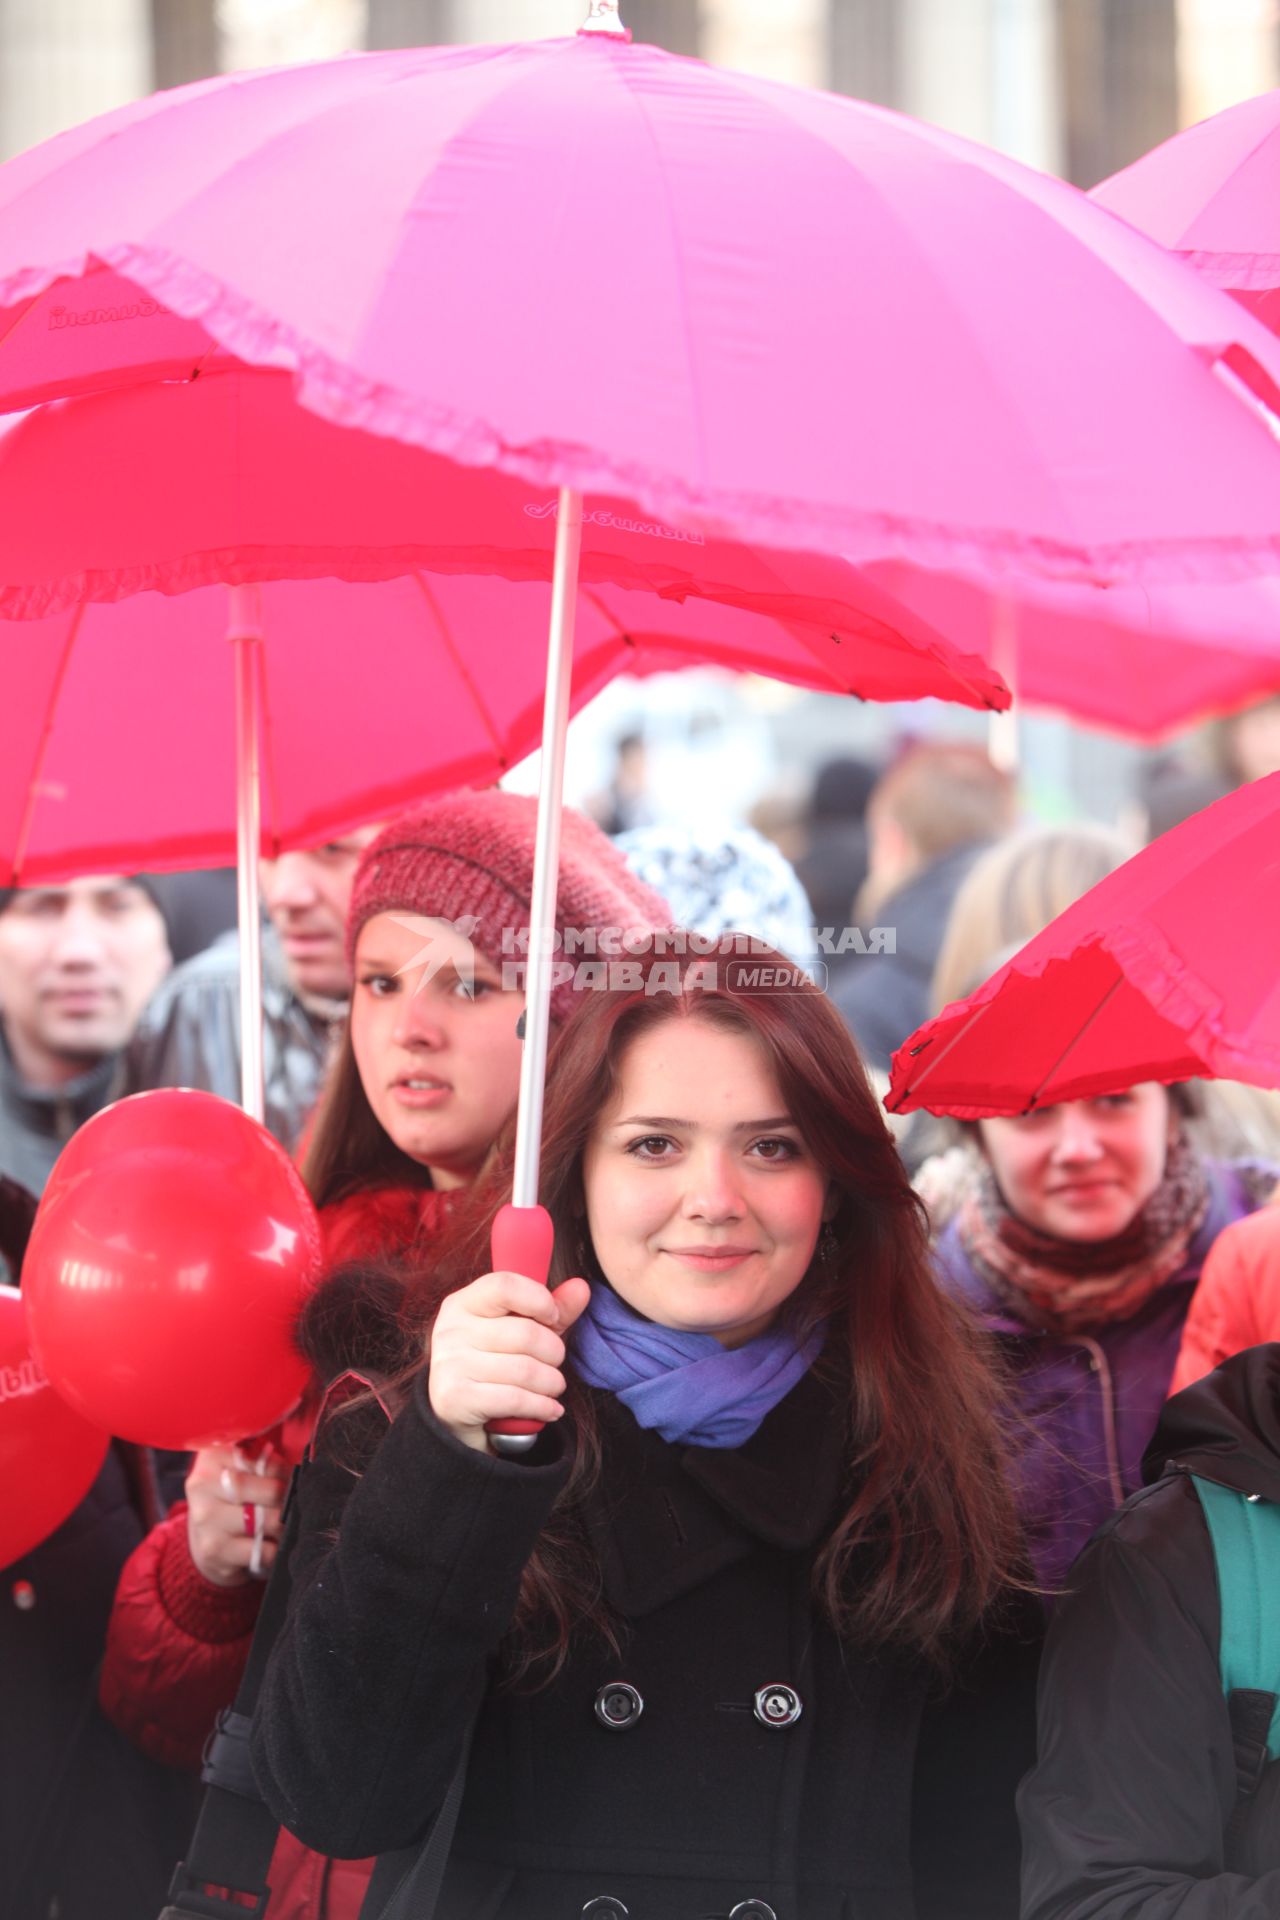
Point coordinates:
pixel 425 1077
pixel 703 1630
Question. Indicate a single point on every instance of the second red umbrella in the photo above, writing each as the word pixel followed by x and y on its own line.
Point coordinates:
pixel 1165 971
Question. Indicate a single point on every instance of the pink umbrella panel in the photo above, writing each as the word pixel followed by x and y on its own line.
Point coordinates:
pixel 596 265
pixel 1164 971
pixel 1212 195
pixel 1141 662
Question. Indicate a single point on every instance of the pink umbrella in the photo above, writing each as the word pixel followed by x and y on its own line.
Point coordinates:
pixel 1212 195
pixel 1165 971
pixel 597 265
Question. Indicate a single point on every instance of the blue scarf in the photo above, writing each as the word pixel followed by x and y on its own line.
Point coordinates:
pixel 686 1385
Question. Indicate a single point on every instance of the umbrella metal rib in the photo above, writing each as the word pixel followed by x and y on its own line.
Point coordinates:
pixel 464 673
pixel 41 753
pixel 1074 1041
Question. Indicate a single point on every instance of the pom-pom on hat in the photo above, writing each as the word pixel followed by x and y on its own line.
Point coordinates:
pixel 470 855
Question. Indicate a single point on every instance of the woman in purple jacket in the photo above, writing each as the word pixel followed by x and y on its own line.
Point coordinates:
pixel 1078 1243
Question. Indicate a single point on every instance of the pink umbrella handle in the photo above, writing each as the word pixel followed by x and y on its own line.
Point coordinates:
pixel 521 1241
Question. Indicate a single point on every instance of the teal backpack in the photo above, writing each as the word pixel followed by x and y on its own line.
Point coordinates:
pixel 1245 1532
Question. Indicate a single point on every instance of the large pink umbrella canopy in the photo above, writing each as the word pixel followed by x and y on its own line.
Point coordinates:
pixel 596 265
pixel 1212 195
pixel 1164 971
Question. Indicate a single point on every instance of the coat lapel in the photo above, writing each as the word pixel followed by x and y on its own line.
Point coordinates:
pixel 666 1518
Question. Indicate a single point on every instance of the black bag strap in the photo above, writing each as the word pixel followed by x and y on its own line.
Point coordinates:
pixel 1251 1711
pixel 235 1833
pixel 406 1884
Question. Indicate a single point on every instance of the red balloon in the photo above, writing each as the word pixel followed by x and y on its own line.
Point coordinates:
pixel 49 1456
pixel 171 1253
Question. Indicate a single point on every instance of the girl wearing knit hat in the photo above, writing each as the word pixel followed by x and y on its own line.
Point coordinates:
pixel 425 1077
pixel 696 1634
pixel 427 1073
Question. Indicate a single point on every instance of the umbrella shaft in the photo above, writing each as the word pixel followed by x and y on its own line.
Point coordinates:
pixel 546 854
pixel 245 634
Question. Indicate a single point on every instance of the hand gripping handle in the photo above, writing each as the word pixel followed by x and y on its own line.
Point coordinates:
pixel 520 1242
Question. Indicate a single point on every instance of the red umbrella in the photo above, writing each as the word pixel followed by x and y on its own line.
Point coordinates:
pixel 1165 971
pixel 352 699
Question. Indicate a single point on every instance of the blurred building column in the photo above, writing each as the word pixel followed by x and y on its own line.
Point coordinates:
pixel 477 21
pixel 947 72
pixel 1025 83
pixel 410 23
pixel 1227 50
pixel 782 42
pixel 185 42
pixel 1119 66
pixel 673 24
pixel 61 61
pixel 864 49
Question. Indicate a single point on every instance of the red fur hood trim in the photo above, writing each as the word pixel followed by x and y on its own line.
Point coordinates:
pixel 381 1223
pixel 356 1317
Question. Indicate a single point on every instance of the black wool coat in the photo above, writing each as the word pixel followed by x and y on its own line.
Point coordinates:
pixel 878 1802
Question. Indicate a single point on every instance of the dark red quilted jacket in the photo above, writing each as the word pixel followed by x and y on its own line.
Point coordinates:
pixel 177 1645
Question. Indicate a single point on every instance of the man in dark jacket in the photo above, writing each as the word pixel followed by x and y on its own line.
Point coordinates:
pixel 1134 1811
pixel 77 962
pixel 189 1035
pixel 89 1829
pixel 928 818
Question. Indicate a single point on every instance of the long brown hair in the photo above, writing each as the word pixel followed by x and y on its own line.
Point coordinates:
pixel 930 1520
pixel 349 1148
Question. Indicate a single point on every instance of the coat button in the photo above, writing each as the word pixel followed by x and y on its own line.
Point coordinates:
pixel 605 1906
pixel 778 1706
pixel 618 1706
pixel 752 1910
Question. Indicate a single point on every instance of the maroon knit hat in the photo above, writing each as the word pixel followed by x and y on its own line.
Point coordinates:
pixel 472 854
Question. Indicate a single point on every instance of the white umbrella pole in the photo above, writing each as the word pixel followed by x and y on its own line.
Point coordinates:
pixel 522 1234
pixel 1002 728
pixel 546 852
pixel 244 631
